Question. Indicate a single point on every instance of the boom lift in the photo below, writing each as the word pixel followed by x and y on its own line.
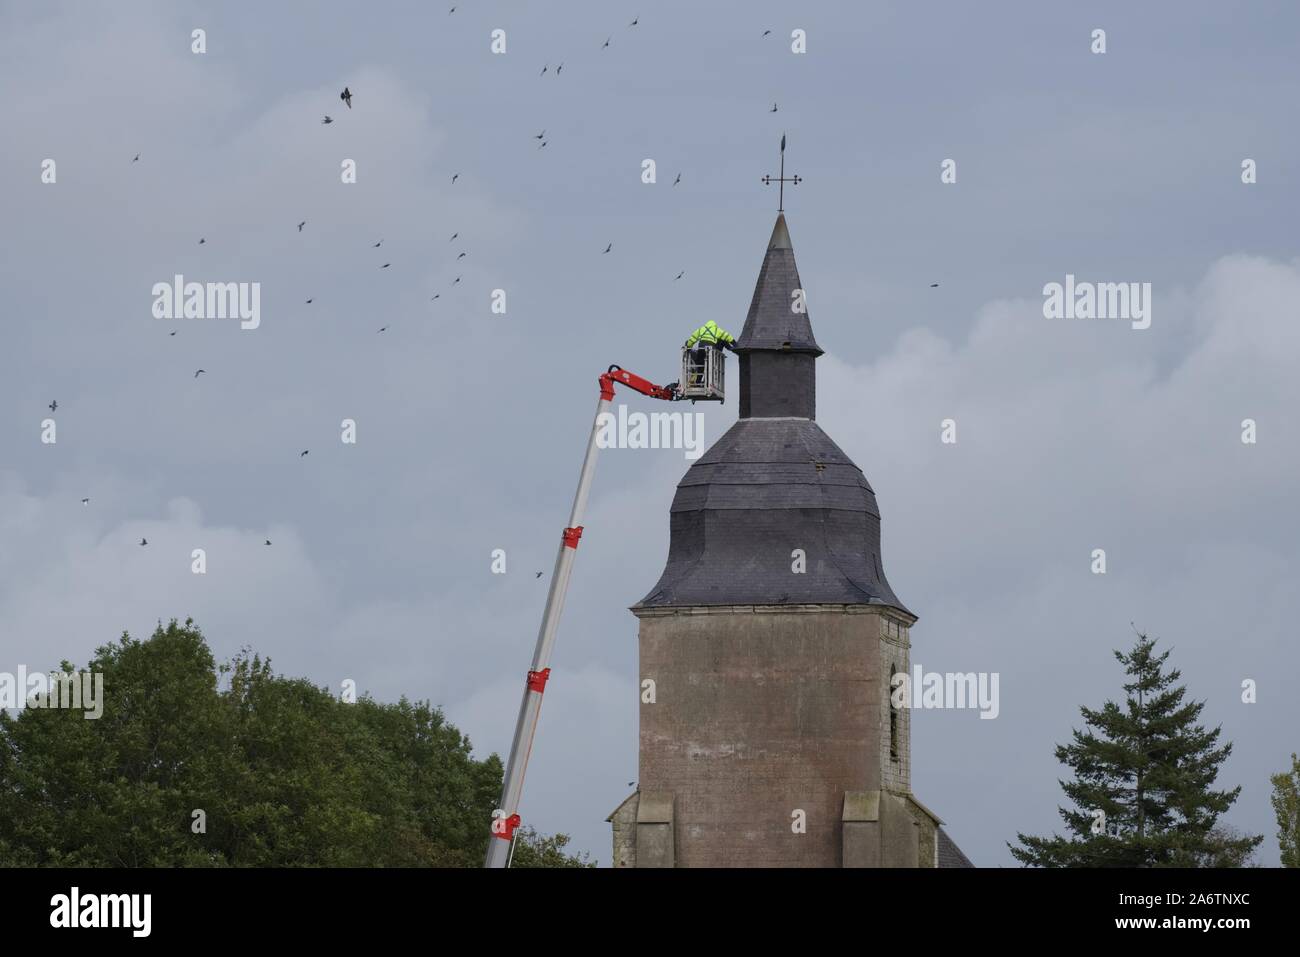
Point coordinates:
pixel 505 819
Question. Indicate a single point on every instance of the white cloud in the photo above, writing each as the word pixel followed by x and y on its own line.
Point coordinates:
pixel 1070 437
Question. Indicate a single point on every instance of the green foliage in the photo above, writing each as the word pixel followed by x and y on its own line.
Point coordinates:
pixel 286 774
pixel 1149 768
pixel 1286 805
pixel 537 850
pixel 1225 846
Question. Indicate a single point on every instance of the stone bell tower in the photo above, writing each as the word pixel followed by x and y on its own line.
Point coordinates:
pixel 771 638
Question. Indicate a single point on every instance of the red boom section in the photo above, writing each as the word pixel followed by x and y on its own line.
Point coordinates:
pixel 633 381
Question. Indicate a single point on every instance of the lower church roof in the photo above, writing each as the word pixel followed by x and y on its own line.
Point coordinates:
pixel 950 854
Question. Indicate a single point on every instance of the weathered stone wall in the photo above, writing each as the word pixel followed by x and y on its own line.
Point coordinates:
pixel 894 646
pixel 761 711
pixel 623 821
pixel 927 840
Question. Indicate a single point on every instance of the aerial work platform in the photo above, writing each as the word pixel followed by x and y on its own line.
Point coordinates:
pixel 703 373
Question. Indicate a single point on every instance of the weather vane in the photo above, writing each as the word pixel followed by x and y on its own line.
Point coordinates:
pixel 782 179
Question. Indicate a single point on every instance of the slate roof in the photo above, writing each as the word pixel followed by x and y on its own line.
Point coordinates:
pixel 771 485
pixel 771 322
pixel 950 854
pixel 767 487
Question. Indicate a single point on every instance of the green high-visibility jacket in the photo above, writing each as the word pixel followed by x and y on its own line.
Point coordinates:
pixel 711 333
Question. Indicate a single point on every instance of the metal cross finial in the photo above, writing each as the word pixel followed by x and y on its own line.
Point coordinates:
pixel 782 179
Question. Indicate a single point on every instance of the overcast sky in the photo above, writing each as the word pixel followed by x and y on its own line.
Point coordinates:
pixel 1072 435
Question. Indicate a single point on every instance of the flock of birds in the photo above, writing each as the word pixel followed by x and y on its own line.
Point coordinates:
pixel 346 97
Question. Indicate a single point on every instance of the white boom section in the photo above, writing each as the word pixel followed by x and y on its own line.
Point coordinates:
pixel 505 819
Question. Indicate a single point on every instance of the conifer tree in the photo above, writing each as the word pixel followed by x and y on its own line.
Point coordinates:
pixel 1143 775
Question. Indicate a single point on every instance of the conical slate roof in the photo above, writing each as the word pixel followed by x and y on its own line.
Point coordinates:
pixel 773 323
pixel 775 482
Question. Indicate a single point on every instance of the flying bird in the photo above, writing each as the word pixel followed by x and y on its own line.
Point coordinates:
pixel 303 452
pixel 679 275
pixel 137 158
pixel 544 69
pixel 634 22
pixel 435 296
pixel 558 69
pixel 144 541
pixel 773 109
pixel 461 256
pixel 608 248
pixel 451 11
pixel 385 265
pixel 538 575
pixel 85 501
pixel 934 285
pixel 327 120
pixel 309 302
pixel 678 179
pixel 383 328
pixel 454 177
pixel 171 333
pixel 540 136
pixel 268 541
pixel 453 236
pixel 377 245
pixel 346 97
pixel 200 372
pixel 606 43
pixel 767 33
pixel 54 406
pixel 202 241
pixel 301 225
pixel 457 280
pixel 543 146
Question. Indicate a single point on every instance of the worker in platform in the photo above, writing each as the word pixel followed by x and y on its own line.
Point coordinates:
pixel 712 334
pixel 709 335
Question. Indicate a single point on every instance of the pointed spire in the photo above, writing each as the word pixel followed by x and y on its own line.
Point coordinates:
pixel 778 354
pixel 780 235
pixel 778 317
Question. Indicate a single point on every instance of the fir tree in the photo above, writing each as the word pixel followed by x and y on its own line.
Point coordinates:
pixel 1143 776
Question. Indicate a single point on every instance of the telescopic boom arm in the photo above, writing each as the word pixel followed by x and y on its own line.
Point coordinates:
pixel 505 819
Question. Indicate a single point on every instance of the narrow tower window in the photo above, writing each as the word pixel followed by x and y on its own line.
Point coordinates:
pixel 893 717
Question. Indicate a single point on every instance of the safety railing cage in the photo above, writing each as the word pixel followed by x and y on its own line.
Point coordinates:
pixel 703 368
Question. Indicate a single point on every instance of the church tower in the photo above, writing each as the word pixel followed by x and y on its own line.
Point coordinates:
pixel 767 733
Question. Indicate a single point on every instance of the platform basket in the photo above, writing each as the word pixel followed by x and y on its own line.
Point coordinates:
pixel 703 371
